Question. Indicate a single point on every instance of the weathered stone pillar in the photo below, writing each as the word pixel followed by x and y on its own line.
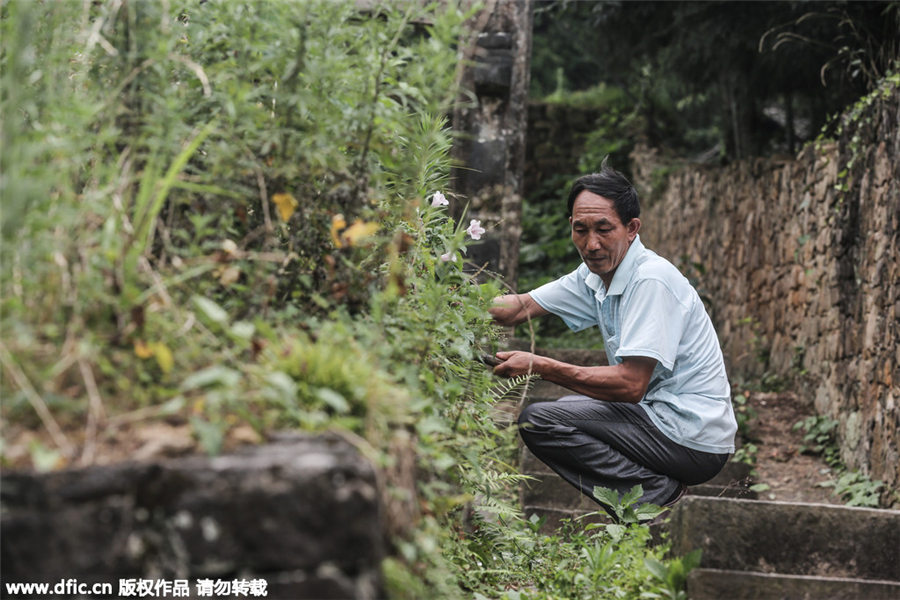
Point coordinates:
pixel 490 123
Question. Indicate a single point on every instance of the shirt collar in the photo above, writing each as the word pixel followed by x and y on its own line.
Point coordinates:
pixel 623 271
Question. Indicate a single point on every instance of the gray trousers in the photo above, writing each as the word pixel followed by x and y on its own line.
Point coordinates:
pixel 613 445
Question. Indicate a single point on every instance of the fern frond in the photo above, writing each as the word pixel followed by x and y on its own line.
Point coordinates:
pixel 512 387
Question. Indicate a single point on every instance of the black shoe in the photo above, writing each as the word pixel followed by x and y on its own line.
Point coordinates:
pixel 676 496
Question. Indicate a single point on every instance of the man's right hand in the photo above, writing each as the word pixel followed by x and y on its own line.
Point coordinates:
pixel 516 363
pixel 512 309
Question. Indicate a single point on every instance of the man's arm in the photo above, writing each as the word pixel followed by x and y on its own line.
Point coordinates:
pixel 625 382
pixel 512 309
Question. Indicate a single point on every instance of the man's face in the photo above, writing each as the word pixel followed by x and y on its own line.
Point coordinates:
pixel 599 235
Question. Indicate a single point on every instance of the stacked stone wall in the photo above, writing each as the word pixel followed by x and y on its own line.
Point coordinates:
pixel 798 259
pixel 557 135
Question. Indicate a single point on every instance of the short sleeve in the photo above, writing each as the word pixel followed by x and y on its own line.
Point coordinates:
pixel 653 322
pixel 570 299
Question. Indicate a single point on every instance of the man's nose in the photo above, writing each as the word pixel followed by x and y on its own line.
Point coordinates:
pixel 593 242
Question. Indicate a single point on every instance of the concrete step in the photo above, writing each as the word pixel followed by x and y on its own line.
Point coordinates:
pixel 789 538
pixel 716 584
pixel 732 482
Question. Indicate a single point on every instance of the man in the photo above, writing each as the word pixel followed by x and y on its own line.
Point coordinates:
pixel 660 414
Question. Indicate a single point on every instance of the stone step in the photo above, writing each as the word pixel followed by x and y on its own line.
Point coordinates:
pixel 789 538
pixel 738 490
pixel 716 584
pixel 732 482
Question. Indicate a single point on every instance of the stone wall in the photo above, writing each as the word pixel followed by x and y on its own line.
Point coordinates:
pixel 799 260
pixel 557 134
pixel 301 513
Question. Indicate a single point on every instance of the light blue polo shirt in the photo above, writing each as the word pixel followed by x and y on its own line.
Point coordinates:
pixel 651 310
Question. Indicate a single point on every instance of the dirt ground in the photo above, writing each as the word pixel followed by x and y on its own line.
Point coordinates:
pixel 790 475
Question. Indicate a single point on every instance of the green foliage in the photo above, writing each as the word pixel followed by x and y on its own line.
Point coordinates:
pixel 746 454
pixel 853 487
pixel 673 576
pixel 582 559
pixel 820 438
pixel 626 509
pixel 856 489
pixel 159 154
pixel 718 80
pixel 848 126
pixel 599 96
pixel 743 412
pixel 611 136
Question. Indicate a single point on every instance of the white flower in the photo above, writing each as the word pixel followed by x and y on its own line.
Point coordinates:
pixel 475 229
pixel 449 257
pixel 439 200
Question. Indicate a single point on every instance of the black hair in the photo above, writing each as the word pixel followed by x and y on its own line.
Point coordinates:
pixel 613 186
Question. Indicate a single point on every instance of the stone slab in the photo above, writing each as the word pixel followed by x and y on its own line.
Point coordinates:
pixel 716 584
pixel 732 482
pixel 789 538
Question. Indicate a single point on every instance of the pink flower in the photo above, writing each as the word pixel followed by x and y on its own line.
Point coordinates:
pixel 475 229
pixel 439 200
pixel 449 257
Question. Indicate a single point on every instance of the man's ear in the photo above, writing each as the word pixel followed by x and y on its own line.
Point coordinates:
pixel 633 227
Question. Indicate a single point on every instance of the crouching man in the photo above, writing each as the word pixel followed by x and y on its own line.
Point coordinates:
pixel 660 414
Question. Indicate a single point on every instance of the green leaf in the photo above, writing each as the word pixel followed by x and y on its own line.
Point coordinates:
pixel 692 560
pixel 43 458
pixel 646 512
pixel 281 387
pixel 210 435
pixel 215 375
pixel 211 310
pixel 172 406
pixel 243 330
pixel 656 568
pixel 616 531
pixel 606 496
pixel 633 495
pixel 333 399
pixel 431 424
